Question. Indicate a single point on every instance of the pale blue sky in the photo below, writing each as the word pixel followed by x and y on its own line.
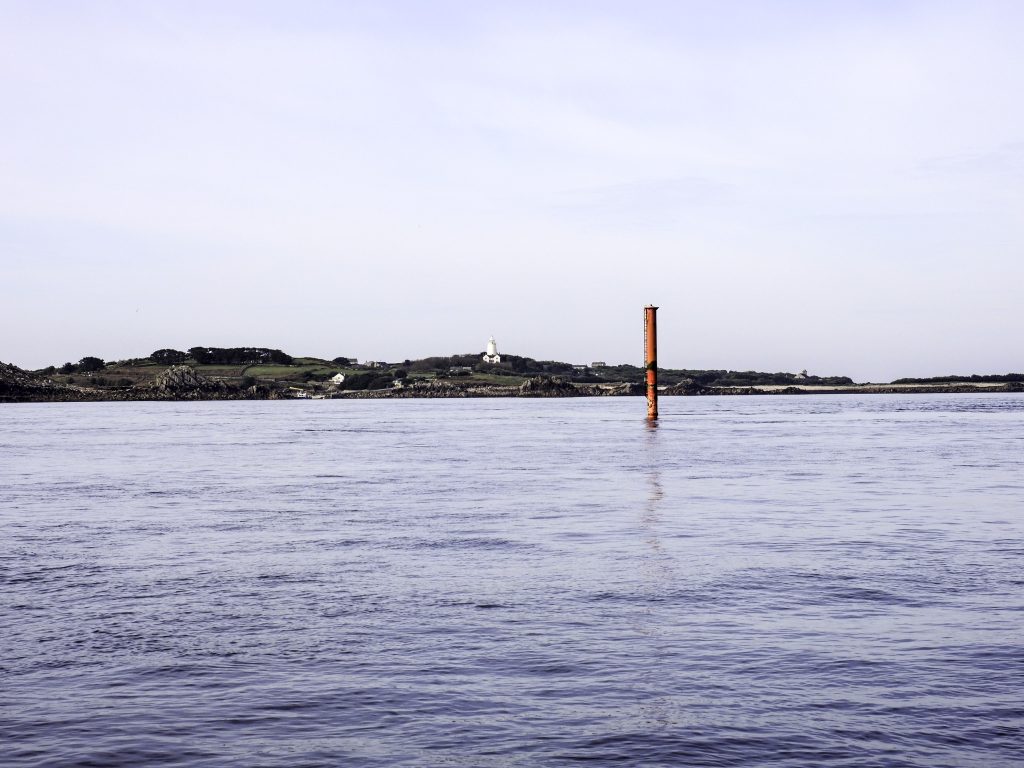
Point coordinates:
pixel 831 186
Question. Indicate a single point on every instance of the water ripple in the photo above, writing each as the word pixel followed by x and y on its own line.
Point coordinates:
pixel 828 581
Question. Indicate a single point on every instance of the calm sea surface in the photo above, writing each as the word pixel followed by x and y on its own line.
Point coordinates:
pixel 773 581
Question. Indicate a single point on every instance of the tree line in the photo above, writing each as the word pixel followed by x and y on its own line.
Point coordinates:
pixel 756 378
pixel 996 378
pixel 222 356
pixel 87 364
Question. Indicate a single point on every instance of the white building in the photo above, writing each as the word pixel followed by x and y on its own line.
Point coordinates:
pixel 337 378
pixel 492 355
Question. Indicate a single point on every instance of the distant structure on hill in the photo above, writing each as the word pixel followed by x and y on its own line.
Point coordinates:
pixel 492 356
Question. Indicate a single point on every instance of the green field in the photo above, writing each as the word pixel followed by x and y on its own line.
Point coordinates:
pixel 220 371
pixel 295 373
pixel 493 378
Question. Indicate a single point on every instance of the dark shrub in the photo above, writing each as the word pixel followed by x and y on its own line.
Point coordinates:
pixel 169 356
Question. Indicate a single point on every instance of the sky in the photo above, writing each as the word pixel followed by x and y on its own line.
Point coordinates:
pixel 834 187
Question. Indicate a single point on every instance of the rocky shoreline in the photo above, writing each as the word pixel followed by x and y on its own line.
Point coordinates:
pixel 181 382
pixel 540 386
pixel 176 383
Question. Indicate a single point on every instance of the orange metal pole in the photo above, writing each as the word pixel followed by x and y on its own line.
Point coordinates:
pixel 651 358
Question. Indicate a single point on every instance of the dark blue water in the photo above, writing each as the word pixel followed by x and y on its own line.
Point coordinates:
pixel 776 581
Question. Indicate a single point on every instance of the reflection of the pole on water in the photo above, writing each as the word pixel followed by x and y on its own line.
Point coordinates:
pixel 655 587
pixel 656 493
pixel 652 510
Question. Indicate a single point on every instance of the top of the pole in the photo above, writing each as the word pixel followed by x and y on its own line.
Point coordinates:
pixel 650 306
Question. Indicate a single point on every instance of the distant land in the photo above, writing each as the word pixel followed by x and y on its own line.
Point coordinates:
pixel 260 373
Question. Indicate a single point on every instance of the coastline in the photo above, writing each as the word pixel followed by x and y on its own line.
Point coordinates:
pixel 182 383
pixel 62 394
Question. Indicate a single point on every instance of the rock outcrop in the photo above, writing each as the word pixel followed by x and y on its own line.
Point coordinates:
pixel 621 389
pixel 182 382
pixel 19 386
pixel 548 386
pixel 684 387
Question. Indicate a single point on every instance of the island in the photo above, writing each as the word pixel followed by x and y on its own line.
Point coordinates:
pixel 260 373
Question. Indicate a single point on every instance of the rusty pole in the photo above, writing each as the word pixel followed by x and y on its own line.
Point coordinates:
pixel 651 359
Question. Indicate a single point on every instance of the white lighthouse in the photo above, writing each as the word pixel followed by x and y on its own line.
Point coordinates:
pixel 492 355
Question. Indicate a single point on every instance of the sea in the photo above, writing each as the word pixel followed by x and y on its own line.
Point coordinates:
pixel 829 580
